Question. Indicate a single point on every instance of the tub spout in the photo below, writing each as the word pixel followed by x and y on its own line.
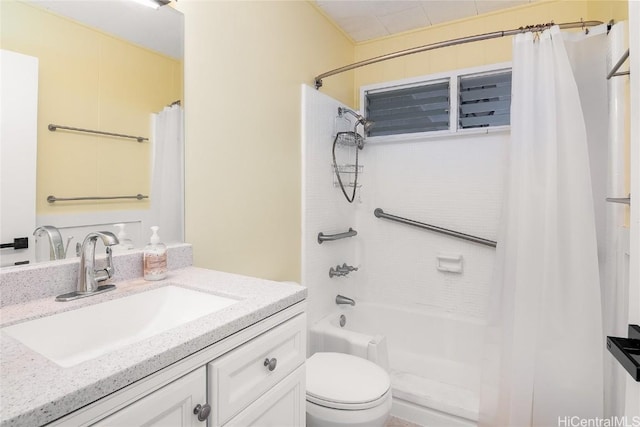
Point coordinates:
pixel 344 300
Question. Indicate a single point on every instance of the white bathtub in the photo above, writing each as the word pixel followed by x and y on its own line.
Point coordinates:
pixel 433 359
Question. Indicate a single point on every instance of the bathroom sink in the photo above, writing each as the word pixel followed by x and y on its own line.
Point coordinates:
pixel 83 334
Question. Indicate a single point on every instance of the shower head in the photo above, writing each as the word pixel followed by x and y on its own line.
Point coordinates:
pixel 367 124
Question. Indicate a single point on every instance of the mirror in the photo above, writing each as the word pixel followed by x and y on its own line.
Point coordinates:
pixel 103 66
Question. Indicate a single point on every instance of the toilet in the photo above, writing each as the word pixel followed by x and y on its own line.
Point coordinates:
pixel 345 390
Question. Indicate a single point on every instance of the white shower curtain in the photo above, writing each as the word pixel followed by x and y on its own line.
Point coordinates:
pixel 544 346
pixel 167 183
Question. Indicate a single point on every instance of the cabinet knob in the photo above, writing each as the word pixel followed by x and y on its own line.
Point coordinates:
pixel 202 411
pixel 271 363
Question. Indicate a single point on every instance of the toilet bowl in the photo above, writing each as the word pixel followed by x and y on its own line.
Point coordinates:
pixel 345 390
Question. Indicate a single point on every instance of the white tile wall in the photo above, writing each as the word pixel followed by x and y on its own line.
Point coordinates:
pixel 324 208
pixel 451 182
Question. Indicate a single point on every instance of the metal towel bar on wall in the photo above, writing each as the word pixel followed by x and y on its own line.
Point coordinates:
pixel 53 128
pixel 614 71
pixel 623 200
pixel 379 213
pixel 53 199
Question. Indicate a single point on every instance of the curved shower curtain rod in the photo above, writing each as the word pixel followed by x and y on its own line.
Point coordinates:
pixel 453 42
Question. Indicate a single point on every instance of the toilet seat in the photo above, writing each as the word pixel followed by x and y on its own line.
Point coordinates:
pixel 343 381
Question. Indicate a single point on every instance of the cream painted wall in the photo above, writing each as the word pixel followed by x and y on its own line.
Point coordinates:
pixel 244 66
pixel 89 79
pixel 244 62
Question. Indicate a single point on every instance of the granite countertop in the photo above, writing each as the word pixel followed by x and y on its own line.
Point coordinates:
pixel 35 390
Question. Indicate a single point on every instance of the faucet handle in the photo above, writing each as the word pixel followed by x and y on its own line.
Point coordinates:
pixel 102 274
pixel 347 268
pixel 66 248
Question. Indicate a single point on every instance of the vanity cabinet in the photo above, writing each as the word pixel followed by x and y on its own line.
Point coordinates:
pixel 283 405
pixel 241 376
pixel 253 377
pixel 172 405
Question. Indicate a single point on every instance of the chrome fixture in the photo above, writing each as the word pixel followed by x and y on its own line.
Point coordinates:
pixel 367 124
pixel 329 237
pixel 614 71
pixel 271 363
pixel 379 213
pixel 354 139
pixel 341 270
pixel 340 300
pixel 53 128
pixel 202 411
pixel 56 249
pixel 89 276
pixel 53 199
pixel 623 200
pixel 452 42
pixel 343 320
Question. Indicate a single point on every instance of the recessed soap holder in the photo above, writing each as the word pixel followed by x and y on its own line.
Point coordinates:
pixel 450 263
pixel 627 351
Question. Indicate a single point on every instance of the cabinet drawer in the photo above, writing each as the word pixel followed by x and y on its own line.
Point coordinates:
pixel 282 406
pixel 240 376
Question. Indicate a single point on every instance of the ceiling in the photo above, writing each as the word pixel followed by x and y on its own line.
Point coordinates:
pixel 161 30
pixel 368 19
pixel 156 29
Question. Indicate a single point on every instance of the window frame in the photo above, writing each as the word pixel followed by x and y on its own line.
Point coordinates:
pixel 453 77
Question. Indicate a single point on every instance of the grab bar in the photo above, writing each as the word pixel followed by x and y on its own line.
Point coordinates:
pixel 53 199
pixel 53 128
pixel 328 237
pixel 379 213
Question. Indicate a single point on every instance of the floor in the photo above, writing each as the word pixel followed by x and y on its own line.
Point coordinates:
pixel 397 422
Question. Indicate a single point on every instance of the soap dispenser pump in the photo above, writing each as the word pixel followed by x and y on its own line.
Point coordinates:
pixel 155 257
pixel 125 242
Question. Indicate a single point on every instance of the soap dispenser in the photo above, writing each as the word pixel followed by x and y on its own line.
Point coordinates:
pixel 125 243
pixel 155 257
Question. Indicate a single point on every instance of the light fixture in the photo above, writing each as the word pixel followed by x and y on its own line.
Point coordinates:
pixel 154 4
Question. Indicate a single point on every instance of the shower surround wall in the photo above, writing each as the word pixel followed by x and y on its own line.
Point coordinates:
pixel 324 209
pixel 453 182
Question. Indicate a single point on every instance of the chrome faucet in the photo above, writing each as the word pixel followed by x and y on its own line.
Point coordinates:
pixel 56 250
pixel 344 300
pixel 89 276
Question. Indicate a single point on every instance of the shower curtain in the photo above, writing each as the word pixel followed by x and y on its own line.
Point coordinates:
pixel 544 347
pixel 167 182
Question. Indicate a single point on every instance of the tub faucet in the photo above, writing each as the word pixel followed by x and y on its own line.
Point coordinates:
pixel 89 276
pixel 56 249
pixel 344 300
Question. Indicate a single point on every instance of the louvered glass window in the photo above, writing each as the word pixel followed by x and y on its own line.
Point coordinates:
pixel 484 100
pixel 423 108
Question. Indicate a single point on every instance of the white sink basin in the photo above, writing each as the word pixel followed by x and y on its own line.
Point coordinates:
pixel 76 336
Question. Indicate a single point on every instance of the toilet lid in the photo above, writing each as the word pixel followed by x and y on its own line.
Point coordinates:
pixel 338 379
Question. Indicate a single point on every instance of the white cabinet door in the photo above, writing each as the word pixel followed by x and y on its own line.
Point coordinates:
pixel 282 406
pixel 170 406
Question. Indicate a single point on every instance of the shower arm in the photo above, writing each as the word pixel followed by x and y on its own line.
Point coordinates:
pixel 367 124
pixel 342 110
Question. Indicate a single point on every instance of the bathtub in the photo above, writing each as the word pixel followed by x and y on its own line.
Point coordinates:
pixel 433 359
